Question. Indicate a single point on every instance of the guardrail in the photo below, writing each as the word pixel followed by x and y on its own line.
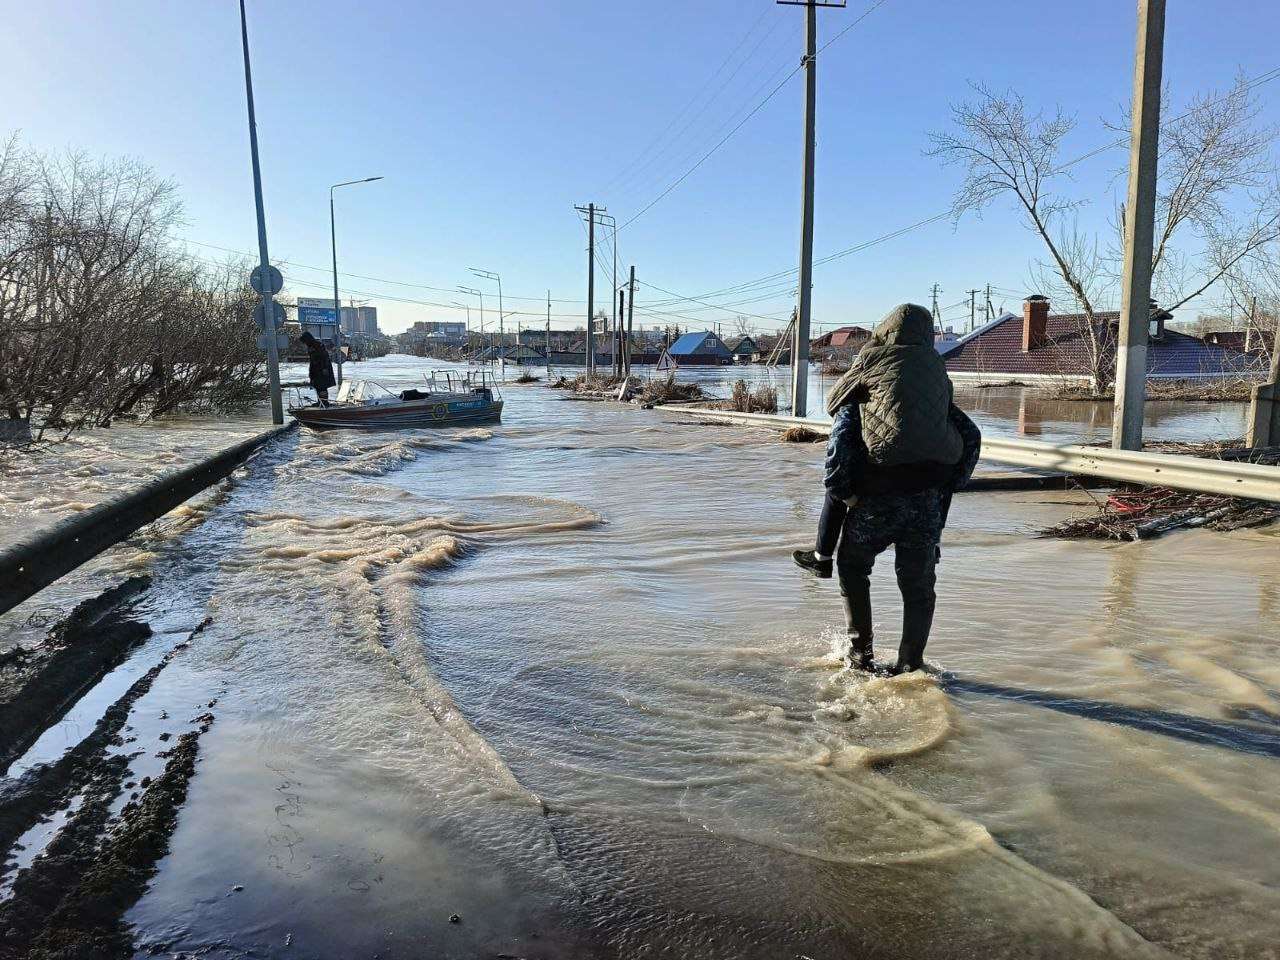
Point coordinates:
pixel 1197 474
pixel 33 563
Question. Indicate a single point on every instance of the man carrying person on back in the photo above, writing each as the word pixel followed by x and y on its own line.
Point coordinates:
pixel 898 450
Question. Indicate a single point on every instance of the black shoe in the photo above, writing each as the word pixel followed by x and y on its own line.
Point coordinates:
pixel 808 560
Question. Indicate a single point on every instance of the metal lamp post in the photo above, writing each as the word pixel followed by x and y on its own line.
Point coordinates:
pixel 502 332
pixel 267 304
pixel 477 293
pixel 337 304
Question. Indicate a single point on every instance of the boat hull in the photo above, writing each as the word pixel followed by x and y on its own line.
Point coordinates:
pixel 413 414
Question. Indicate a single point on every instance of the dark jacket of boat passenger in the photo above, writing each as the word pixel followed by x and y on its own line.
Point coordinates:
pixel 320 371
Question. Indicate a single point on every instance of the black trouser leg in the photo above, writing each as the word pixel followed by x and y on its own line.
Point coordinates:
pixel 322 396
pixel 829 524
pixel 915 567
pixel 854 567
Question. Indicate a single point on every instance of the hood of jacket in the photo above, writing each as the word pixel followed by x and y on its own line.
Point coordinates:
pixel 907 324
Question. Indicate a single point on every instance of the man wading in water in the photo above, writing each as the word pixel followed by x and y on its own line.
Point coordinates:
pixel 899 448
pixel 320 372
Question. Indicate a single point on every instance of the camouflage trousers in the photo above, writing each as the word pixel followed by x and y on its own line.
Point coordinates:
pixel 912 525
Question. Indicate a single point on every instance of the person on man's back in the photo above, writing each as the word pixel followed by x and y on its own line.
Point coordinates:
pixel 899 448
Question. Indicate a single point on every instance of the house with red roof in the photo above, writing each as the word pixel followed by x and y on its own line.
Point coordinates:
pixel 1066 348
pixel 841 338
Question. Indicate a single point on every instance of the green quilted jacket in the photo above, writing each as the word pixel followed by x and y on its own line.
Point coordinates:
pixel 905 392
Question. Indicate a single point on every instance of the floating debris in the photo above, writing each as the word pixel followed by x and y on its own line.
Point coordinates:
pixel 1135 512
pixel 803 435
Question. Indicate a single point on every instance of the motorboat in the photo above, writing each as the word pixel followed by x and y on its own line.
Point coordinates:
pixel 448 399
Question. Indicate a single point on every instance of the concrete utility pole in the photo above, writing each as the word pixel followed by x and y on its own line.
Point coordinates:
pixel 973 310
pixel 800 351
pixel 937 317
pixel 1264 409
pixel 631 306
pixel 591 210
pixel 991 311
pixel 1139 230
pixel 267 304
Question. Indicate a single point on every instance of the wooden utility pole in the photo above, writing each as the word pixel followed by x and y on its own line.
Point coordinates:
pixel 1139 230
pixel 800 351
pixel 620 307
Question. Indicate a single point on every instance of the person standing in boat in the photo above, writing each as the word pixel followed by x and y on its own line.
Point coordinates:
pixel 320 371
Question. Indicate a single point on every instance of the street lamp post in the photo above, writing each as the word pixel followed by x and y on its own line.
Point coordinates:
pixel 267 304
pixel 466 338
pixel 337 304
pixel 502 332
pixel 478 293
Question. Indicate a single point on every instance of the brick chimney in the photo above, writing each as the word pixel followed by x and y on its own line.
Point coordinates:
pixel 1035 322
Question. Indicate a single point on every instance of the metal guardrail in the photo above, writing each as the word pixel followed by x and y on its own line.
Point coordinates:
pixel 1197 474
pixel 31 564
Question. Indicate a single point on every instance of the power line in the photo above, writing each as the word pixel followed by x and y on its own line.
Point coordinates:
pixel 631 170
pixel 359 276
pixel 741 123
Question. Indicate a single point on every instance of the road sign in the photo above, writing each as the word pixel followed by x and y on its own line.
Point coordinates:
pixel 273 275
pixel 665 362
pixel 279 314
pixel 282 342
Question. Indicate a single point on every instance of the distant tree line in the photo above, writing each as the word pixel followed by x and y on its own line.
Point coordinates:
pixel 102 316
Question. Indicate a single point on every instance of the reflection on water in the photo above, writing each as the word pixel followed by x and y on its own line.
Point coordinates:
pixel 558 676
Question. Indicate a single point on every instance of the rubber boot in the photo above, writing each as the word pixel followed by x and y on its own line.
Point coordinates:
pixel 856 593
pixel 917 578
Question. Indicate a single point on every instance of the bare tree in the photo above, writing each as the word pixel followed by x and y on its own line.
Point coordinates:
pixel 99 315
pixel 1217 201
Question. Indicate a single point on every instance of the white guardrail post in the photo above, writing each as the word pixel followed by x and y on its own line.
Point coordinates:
pixel 1198 474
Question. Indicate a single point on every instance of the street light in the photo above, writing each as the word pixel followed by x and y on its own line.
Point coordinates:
pixel 477 293
pixel 466 338
pixel 337 304
pixel 267 303
pixel 502 333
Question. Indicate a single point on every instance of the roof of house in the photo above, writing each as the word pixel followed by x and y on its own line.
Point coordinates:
pixel 846 335
pixel 690 342
pixel 744 344
pixel 996 348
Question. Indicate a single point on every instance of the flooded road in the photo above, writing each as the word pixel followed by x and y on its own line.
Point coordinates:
pixel 558 678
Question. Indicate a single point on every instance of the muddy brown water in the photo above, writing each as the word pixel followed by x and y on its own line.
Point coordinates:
pixel 558 677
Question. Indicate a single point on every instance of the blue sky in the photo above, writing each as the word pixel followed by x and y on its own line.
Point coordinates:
pixel 490 121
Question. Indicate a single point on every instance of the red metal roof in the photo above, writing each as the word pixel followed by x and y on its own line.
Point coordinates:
pixel 997 349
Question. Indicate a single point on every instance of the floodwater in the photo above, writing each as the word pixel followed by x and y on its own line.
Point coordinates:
pixel 558 677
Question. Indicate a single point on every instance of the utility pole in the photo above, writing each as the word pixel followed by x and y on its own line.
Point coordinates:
pixel 548 334
pixel 621 307
pixel 800 352
pixel 1135 304
pixel 631 306
pixel 991 311
pixel 973 310
pixel 937 317
pixel 591 210
pixel 267 305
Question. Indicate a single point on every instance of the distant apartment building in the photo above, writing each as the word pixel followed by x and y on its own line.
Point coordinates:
pixel 359 319
pixel 447 331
